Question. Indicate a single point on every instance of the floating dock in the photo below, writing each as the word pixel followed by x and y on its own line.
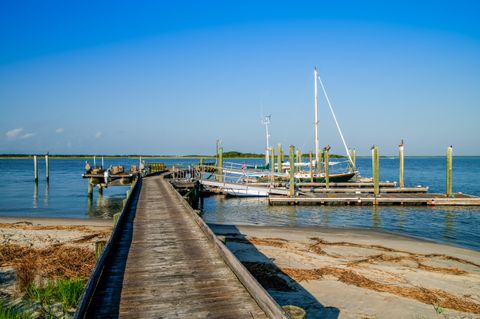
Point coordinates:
pixel 410 199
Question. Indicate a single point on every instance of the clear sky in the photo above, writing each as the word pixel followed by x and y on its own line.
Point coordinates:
pixel 172 78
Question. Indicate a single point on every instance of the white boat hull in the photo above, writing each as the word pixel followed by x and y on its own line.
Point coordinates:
pixel 245 193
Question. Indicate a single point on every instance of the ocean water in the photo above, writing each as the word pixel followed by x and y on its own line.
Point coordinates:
pixel 66 196
pixel 459 226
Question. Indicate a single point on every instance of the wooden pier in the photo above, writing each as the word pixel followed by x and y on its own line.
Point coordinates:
pixel 164 262
pixel 409 199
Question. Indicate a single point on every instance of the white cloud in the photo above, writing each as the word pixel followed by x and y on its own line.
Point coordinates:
pixel 27 135
pixel 98 135
pixel 60 130
pixel 19 133
pixel 14 133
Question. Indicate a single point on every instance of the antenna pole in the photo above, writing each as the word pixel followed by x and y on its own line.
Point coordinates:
pixel 315 76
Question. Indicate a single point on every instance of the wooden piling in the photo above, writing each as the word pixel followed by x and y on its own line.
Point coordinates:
pixel 291 159
pixel 272 160
pixel 376 170
pixel 352 166
pixel 99 245
pixel 448 192
pixel 401 158
pixel 311 166
pixel 90 188
pixel 100 190
pixel 279 158
pixel 326 160
pixel 35 168
pixel 116 217
pixel 47 171
pixel 319 164
pixel 220 164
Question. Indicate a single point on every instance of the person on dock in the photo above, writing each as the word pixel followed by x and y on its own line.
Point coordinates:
pixel 88 168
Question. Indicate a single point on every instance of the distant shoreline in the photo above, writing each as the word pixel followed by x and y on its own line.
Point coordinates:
pixel 21 156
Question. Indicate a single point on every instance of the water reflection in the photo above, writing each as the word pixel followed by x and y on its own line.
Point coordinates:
pixel 455 225
pixel 35 195
pixel 103 206
pixel 47 194
pixel 449 221
pixel 375 217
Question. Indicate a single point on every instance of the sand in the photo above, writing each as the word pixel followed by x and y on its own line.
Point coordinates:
pixel 339 273
pixel 43 232
pixel 55 248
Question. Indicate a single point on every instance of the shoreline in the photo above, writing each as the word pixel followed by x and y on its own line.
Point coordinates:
pixel 346 273
pixel 57 221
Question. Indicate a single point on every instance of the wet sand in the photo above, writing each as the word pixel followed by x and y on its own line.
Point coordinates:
pixel 339 273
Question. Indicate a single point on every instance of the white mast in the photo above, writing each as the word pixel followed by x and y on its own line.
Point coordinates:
pixel 266 121
pixel 315 76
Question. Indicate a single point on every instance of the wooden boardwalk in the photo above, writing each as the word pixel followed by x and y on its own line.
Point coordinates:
pixel 165 266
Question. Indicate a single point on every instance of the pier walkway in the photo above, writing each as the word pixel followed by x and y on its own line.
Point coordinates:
pixel 164 265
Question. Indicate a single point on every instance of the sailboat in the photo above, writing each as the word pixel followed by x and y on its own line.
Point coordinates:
pixel 320 177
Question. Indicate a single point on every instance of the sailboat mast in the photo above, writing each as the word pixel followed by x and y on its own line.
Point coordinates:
pixel 315 76
pixel 266 121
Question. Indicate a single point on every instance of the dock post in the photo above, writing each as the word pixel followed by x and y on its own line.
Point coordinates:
pixel 94 161
pixel 291 159
pixel 272 160
pixel 138 166
pixel 326 160
pixel 99 245
pixel 47 171
pixel 319 164
pixel 35 168
pixel 311 166
pixel 401 176
pixel 279 158
pixel 448 192
pixel 375 170
pixel 220 164
pixel 100 190
pixel 272 164
pixel 352 166
pixel 200 163
pixel 90 188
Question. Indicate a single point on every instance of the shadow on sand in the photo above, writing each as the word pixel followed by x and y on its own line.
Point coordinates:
pixel 284 289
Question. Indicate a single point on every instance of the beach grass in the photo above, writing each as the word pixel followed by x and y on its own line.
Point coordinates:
pixel 11 312
pixel 65 291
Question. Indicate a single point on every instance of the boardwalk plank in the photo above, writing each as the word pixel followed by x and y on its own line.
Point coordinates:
pixel 165 267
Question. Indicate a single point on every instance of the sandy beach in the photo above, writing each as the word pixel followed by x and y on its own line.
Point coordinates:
pixel 340 273
pixel 55 248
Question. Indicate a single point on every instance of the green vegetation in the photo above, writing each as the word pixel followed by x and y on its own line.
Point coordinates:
pixel 235 154
pixel 11 312
pixel 229 154
pixel 65 291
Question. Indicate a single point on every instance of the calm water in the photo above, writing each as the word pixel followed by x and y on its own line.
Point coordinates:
pixel 454 225
pixel 66 196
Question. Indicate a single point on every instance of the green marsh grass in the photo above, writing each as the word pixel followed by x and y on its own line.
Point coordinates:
pixel 65 291
pixel 10 312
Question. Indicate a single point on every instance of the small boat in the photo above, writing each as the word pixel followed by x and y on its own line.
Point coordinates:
pixel 245 193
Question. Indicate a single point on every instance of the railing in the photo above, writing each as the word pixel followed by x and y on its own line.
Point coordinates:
pixel 92 283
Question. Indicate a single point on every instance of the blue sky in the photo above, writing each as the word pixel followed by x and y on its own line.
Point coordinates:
pixel 172 78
